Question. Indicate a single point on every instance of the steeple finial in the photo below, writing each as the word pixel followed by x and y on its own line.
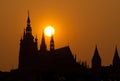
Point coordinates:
pixel 28 20
pixel 96 50
pixel 28 28
pixel 116 51
pixel 116 58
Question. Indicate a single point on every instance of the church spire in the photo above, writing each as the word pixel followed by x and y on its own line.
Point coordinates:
pixel 43 45
pixel 28 28
pixel 96 54
pixel 116 59
pixel 52 44
pixel 28 20
pixel 96 60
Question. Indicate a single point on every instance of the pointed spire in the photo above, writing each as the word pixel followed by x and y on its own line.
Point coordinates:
pixel 28 28
pixel 116 59
pixel 116 51
pixel 96 60
pixel 116 56
pixel 52 43
pixel 43 45
pixel 96 51
pixel 28 20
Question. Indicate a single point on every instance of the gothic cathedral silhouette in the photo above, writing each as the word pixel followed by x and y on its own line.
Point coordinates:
pixel 40 64
pixel 61 61
pixel 42 60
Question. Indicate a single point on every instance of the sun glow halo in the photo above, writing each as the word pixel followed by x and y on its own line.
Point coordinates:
pixel 49 31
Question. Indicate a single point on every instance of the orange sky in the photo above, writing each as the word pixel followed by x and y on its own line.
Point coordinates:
pixel 80 23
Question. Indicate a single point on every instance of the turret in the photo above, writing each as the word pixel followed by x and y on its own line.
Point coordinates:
pixel 43 47
pixel 96 60
pixel 116 59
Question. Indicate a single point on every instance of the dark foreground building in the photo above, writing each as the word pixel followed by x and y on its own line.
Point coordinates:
pixel 40 64
pixel 34 59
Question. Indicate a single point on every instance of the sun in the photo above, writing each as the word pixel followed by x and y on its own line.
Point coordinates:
pixel 49 31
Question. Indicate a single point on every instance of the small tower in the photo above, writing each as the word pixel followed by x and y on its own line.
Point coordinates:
pixel 96 60
pixel 116 59
pixel 52 46
pixel 43 47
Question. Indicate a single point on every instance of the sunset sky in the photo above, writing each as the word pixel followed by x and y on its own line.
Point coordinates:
pixel 81 24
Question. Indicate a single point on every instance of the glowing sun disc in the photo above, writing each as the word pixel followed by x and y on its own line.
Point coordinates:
pixel 49 31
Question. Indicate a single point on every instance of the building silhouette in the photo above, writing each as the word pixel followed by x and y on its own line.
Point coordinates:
pixel 96 60
pixel 34 59
pixel 116 59
pixel 40 64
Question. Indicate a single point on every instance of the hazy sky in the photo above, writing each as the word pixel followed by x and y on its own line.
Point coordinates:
pixel 81 24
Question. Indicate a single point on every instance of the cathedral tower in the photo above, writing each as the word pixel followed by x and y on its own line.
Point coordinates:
pixel 96 60
pixel 28 47
pixel 43 47
pixel 116 59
